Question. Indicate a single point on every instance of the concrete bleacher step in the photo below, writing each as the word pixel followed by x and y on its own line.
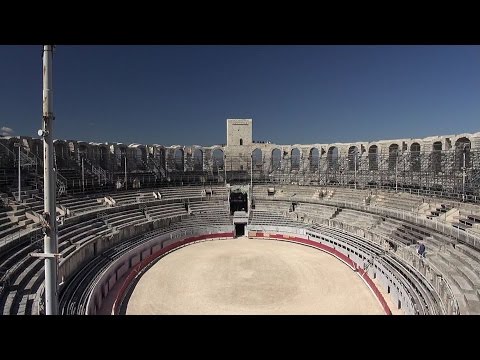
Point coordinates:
pixel 467 250
pixel 458 292
pixel 92 231
pixel 9 303
pixel 87 238
pixel 6 225
pixel 459 277
pixel 26 274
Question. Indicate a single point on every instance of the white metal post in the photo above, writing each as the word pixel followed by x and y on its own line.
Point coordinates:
pixel 50 240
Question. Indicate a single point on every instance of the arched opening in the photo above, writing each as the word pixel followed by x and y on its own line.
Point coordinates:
pixel 257 159
pixel 71 148
pixel 178 157
pixel 332 158
pixel 241 141
pixel 276 159
pixel 218 159
pixel 415 164
pixel 159 157
pixel 373 157
pixel 103 157
pixel 37 148
pixel 437 156
pixel 314 159
pixel 138 154
pixel 82 150
pixel 462 153
pixel 352 158
pixel 123 153
pixel 60 154
pixel 295 159
pixel 198 160
pixel 392 156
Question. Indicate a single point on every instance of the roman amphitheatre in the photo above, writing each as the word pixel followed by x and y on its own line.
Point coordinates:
pixel 248 227
pixel 244 227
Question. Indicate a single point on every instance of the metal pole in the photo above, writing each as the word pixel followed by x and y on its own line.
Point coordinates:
pixel 83 177
pixel 50 240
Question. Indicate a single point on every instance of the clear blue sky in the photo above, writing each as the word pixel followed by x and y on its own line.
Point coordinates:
pixel 295 94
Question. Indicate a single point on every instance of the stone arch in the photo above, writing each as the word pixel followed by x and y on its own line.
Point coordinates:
pixel 37 148
pixel 392 156
pixel 373 157
pixel 314 157
pixel 295 159
pixel 159 156
pixel 218 159
pixel 332 157
pixel 415 164
pixel 179 159
pixel 437 156
pixel 462 153
pixel 257 159
pixel 61 153
pixel 103 156
pixel 83 149
pixel 276 159
pixel 352 158
pixel 198 159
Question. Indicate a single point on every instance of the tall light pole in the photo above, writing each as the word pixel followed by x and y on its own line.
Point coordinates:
pixel 49 191
pixel 19 197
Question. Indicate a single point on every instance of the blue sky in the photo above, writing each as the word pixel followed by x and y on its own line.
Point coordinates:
pixel 295 94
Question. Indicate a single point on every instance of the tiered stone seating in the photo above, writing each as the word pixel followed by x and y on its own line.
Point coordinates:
pixel 273 206
pixel 183 192
pixel 315 210
pixel 463 275
pixel 80 205
pixel 259 217
pixel 7 226
pixel 358 218
pixel 163 211
pixel 348 195
pixel 398 201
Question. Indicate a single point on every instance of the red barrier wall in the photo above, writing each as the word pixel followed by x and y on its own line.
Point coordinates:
pixel 137 268
pixel 363 274
pixel 328 249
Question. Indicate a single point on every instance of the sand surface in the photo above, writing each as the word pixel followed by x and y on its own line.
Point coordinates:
pixel 251 276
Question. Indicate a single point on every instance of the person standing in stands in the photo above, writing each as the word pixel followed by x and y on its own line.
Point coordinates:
pixel 421 250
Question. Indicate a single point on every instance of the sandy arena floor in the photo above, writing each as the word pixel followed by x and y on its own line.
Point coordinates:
pixel 244 276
